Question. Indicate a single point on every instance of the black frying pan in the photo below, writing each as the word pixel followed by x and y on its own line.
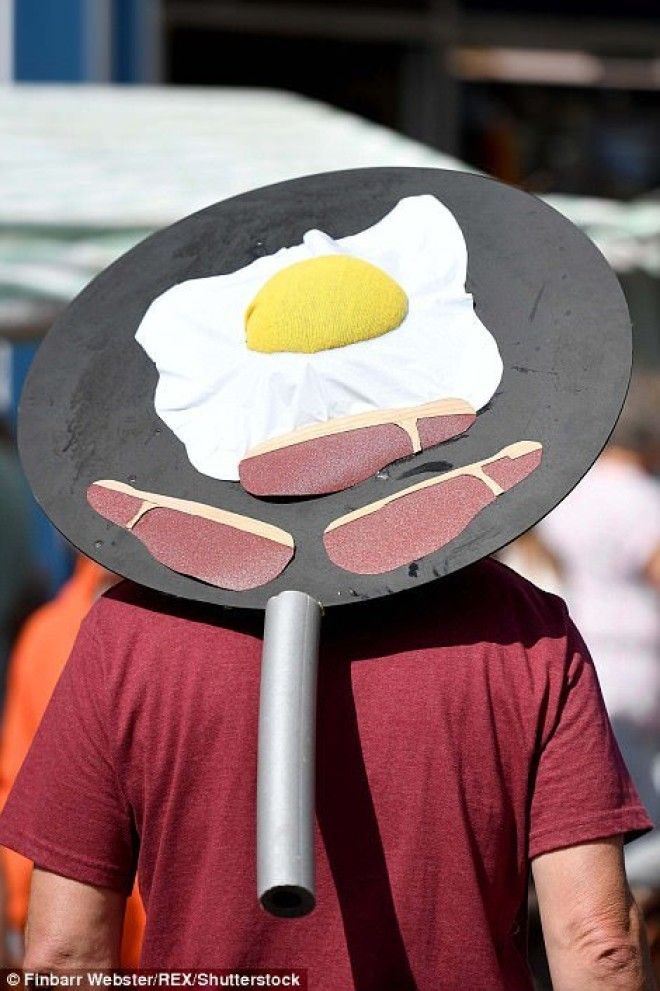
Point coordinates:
pixel 539 285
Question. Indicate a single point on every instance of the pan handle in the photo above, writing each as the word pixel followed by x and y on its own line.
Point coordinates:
pixel 286 755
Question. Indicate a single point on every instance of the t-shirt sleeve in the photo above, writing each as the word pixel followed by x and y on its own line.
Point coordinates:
pixel 66 811
pixel 582 789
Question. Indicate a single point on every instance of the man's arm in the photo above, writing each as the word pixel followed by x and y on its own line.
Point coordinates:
pixel 594 934
pixel 72 925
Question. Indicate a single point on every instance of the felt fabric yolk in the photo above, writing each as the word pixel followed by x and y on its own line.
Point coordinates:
pixel 322 303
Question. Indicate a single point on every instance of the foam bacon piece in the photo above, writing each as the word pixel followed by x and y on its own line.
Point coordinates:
pixel 215 546
pixel 331 456
pixel 423 518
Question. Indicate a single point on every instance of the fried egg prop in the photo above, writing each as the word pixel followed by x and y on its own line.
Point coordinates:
pixel 326 329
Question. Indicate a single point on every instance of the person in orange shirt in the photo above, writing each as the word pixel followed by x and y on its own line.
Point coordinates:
pixel 38 658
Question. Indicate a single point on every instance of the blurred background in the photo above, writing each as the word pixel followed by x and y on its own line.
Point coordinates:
pixel 120 116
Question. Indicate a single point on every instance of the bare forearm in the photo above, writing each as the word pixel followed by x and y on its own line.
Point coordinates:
pixel 53 954
pixel 72 926
pixel 602 961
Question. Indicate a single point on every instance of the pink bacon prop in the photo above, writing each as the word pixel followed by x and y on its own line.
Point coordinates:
pixel 215 546
pixel 329 457
pixel 421 519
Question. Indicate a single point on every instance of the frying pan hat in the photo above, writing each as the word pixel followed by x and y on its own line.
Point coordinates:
pixel 107 468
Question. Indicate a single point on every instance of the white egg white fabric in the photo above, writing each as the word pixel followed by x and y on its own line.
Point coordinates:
pixel 220 398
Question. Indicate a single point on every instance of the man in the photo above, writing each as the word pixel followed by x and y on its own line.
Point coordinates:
pixel 461 738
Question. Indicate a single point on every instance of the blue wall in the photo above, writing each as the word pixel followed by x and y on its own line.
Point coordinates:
pixel 135 40
pixel 85 40
pixel 51 40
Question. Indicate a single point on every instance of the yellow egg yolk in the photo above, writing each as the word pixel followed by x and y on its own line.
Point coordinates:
pixel 325 302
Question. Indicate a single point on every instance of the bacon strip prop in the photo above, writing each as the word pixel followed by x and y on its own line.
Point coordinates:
pixel 329 457
pixel 423 518
pixel 215 546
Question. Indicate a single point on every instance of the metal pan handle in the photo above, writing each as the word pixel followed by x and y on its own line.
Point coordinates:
pixel 286 756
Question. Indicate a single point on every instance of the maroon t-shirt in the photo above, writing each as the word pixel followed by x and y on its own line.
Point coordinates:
pixel 461 732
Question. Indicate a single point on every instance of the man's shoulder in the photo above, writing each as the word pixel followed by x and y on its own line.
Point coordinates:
pixel 503 615
pixel 483 604
pixel 492 589
pixel 494 577
pixel 135 610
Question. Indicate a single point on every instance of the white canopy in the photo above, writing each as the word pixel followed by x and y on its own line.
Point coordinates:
pixel 86 172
